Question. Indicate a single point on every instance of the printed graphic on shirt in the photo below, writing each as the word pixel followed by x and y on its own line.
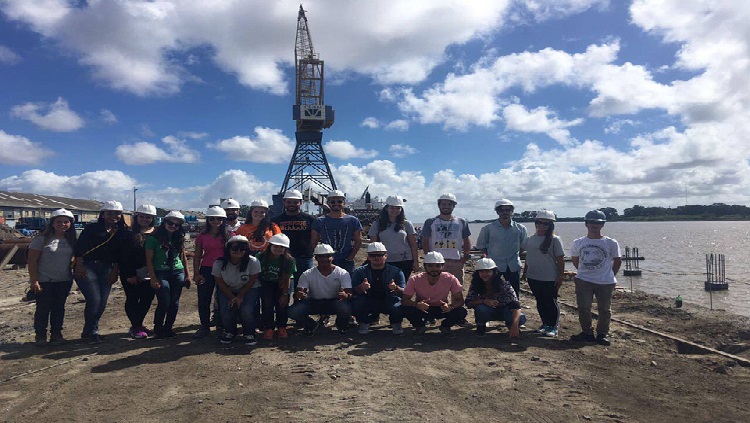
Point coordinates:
pixel 592 257
pixel 338 238
pixel 294 225
pixel 447 235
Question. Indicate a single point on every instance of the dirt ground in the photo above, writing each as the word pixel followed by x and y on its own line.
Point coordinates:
pixel 378 377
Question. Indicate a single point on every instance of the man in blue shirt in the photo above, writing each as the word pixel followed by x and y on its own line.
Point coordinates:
pixel 501 241
pixel 341 231
pixel 377 289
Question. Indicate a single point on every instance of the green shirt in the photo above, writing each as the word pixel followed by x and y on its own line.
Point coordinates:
pixel 269 273
pixel 160 255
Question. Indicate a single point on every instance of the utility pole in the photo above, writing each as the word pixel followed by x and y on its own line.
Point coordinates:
pixel 134 190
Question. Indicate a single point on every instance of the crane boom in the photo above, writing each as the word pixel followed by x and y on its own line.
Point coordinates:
pixel 309 111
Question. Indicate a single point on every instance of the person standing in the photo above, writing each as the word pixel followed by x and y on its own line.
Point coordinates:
pixel 544 269
pixel 398 236
pixel 297 225
pixel 209 246
pixel 96 265
pixel 501 241
pixel 492 298
pixel 167 266
pixel 258 228
pixel 377 288
pixel 341 231
pixel 449 236
pixel 276 270
pixel 50 277
pixel 597 258
pixel 133 272
pixel 232 209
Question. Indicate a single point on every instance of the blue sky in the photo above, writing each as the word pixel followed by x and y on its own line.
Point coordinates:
pixel 567 105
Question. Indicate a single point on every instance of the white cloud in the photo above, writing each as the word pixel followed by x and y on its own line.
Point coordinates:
pixel 192 135
pixel 18 150
pixel 402 150
pixel 616 125
pixel 370 122
pixel 542 10
pixel 398 125
pixel 100 185
pixel 238 184
pixel 55 116
pixel 539 120
pixel 174 150
pixel 268 146
pixel 107 116
pixel 8 56
pixel 345 150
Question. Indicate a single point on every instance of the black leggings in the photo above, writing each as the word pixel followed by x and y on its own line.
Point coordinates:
pixel 546 301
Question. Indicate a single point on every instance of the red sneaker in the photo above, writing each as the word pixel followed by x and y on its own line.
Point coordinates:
pixel 281 333
pixel 268 334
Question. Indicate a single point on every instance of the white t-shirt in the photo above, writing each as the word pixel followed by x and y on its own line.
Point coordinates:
pixel 232 276
pixel 595 259
pixel 321 287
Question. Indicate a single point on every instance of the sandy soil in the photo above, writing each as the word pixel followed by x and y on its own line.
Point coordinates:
pixel 378 377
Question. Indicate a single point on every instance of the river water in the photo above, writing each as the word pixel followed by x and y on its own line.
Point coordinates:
pixel 675 257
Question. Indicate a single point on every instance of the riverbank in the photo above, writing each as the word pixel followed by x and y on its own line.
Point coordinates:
pixel 379 377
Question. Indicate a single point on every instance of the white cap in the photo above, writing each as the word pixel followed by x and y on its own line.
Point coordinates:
pixel 323 249
pixel 111 205
pixel 259 203
pixel 279 239
pixel 174 214
pixel 448 196
pixel 376 247
pixel 147 209
pixel 293 194
pixel 230 203
pixel 504 202
pixel 434 257
pixel 61 212
pixel 394 200
pixel 237 238
pixel 485 264
pixel 216 211
pixel 545 214
pixel 336 193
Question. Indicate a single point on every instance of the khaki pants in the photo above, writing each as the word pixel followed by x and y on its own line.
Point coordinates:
pixel 456 268
pixel 585 293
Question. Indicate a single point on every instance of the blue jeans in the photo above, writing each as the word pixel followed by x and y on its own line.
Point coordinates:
pixel 513 278
pixel 246 312
pixel 300 311
pixel 168 297
pixel 484 313
pixel 367 308
pixel 205 295
pixel 50 307
pixel 95 289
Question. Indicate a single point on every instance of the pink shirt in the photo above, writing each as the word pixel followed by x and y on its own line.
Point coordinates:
pixel 213 248
pixel 432 294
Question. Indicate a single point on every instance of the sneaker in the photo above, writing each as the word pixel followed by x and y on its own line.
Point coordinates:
pixel 281 333
pixel 324 320
pixel 56 338
pixel 250 340
pixel 148 331
pixel 583 337
pixel 201 333
pixel 364 328
pixel 344 331
pixel 602 339
pixel 551 332
pixel 429 322
pixel 419 331
pixel 465 324
pixel 309 332
pixel 481 329
pixel 165 333
pixel 137 333
pixel 397 329
pixel 226 338
pixel 95 338
pixel 542 329
pixel 40 340
pixel 446 331
pixel 268 335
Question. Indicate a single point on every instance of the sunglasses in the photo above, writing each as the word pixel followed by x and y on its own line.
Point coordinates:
pixel 592 222
pixel 172 223
pixel 215 219
pixel 113 212
pixel 539 222
pixel 241 248
pixel 376 255
pixel 324 256
pixel 335 201
pixel 504 210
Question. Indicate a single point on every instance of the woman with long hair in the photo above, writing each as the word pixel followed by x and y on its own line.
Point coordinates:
pixel 544 269
pixel 133 273
pixel 167 267
pixel 258 228
pixel 50 277
pixel 236 274
pixel 398 236
pixel 492 298
pixel 277 267
pixel 209 246
pixel 97 254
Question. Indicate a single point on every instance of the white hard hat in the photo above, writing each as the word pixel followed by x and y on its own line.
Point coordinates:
pixel 336 193
pixel 216 211
pixel 323 249
pixel 448 196
pixel 434 257
pixel 230 203
pixel 237 238
pixel 504 202
pixel 174 214
pixel 61 212
pixel 259 203
pixel 292 194
pixel 394 200
pixel 279 239
pixel 485 264
pixel 376 247
pixel 147 209
pixel 111 205
pixel 545 214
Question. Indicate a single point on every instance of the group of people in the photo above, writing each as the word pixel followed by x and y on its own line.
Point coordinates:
pixel 264 271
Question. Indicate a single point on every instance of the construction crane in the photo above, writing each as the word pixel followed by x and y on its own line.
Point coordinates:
pixel 308 168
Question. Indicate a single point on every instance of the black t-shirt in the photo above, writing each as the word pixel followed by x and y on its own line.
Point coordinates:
pixel 377 284
pixel 297 228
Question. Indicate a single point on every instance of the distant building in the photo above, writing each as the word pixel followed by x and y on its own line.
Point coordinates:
pixel 17 207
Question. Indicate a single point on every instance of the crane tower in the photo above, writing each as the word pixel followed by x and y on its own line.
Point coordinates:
pixel 308 167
